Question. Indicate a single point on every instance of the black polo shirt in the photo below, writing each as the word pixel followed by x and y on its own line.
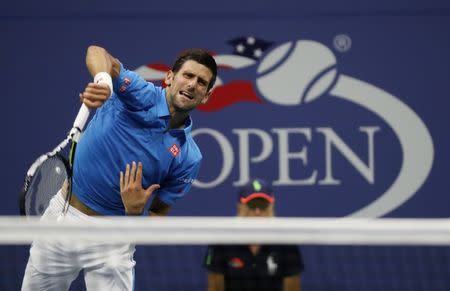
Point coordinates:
pixel 245 272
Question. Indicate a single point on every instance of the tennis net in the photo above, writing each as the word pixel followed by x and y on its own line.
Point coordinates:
pixel 338 253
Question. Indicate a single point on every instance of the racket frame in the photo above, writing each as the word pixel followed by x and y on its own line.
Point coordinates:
pixel 73 137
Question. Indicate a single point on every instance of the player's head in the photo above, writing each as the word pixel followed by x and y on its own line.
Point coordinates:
pixel 200 56
pixel 191 79
pixel 256 198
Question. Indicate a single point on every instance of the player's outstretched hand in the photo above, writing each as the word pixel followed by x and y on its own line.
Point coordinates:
pixel 95 95
pixel 134 197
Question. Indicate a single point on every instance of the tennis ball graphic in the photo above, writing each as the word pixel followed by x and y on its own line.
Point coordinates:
pixel 296 72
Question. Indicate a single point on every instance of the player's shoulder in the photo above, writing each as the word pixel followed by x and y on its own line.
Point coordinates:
pixel 193 150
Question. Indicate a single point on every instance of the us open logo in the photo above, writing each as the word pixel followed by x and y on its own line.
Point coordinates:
pixel 302 77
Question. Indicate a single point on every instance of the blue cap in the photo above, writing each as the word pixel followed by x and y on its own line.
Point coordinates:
pixel 256 188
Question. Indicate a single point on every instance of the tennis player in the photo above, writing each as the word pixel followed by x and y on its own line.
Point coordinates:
pixel 137 145
pixel 254 267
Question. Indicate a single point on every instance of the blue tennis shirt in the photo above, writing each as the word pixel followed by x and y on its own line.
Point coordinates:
pixel 132 125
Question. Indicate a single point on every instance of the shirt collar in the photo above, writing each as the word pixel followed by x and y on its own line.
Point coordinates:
pixel 183 131
pixel 162 106
pixel 163 112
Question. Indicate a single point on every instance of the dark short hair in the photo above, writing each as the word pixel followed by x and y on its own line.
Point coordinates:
pixel 201 57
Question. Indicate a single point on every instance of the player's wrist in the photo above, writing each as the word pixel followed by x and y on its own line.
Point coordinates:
pixel 133 212
pixel 104 78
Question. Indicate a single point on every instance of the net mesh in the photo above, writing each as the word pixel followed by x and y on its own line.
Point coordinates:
pixel 338 254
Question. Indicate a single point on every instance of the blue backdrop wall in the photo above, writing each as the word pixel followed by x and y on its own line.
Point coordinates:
pixel 341 105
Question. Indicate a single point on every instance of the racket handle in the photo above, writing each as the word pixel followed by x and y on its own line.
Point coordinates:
pixel 80 122
pixel 82 117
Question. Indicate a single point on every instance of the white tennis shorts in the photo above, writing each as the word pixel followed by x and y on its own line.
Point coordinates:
pixel 54 265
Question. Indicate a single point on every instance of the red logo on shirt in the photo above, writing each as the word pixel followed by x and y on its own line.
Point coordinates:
pixel 124 85
pixel 174 150
pixel 236 263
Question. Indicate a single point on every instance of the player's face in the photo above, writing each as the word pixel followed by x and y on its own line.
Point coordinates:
pixel 188 87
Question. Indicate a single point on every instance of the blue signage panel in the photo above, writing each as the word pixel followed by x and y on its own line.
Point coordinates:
pixel 342 108
pixel 343 115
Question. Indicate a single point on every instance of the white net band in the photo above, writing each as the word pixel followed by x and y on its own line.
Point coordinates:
pixel 224 230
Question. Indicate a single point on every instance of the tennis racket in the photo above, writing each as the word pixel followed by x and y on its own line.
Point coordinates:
pixel 51 172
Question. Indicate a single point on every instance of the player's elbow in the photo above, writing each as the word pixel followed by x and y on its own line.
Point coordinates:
pixel 94 50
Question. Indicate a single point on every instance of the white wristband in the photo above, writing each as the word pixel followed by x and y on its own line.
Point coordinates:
pixel 104 78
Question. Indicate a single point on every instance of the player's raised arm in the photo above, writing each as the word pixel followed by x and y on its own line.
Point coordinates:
pixel 99 60
pixel 103 67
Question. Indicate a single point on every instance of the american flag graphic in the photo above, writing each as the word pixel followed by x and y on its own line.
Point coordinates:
pixel 235 77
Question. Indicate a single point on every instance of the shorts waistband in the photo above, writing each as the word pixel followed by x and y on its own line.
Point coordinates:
pixel 60 200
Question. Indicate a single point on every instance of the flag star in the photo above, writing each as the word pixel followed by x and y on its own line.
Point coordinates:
pixel 257 53
pixel 249 46
pixel 240 48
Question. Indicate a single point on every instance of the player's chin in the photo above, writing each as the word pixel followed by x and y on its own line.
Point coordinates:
pixel 185 107
pixel 187 102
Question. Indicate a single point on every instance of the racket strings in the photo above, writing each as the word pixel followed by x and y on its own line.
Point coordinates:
pixel 48 179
